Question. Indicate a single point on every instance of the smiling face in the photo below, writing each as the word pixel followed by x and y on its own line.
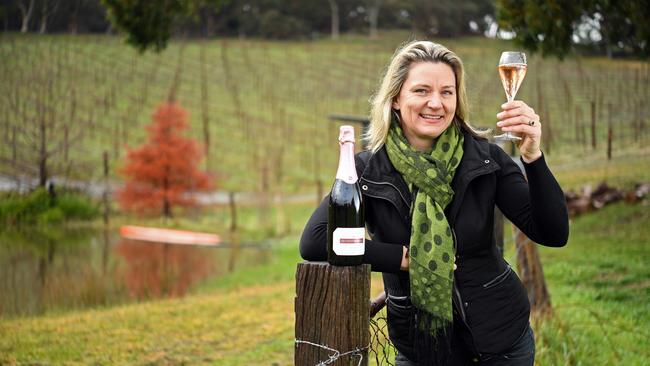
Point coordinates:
pixel 426 102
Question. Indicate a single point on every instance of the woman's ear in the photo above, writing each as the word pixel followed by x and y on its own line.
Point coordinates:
pixel 395 104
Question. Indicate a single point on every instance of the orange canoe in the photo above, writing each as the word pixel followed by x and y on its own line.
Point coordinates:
pixel 168 235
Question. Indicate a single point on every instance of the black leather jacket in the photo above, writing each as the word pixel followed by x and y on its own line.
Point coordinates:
pixel 490 304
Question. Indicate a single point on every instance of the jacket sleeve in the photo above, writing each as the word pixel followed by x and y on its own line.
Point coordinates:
pixel 536 206
pixel 382 257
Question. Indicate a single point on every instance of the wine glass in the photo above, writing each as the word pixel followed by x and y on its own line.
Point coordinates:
pixel 512 69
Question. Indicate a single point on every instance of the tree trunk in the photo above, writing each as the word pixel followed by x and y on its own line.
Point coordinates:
pixel 43 28
pixel 167 209
pixel 532 275
pixel 73 25
pixel 26 11
pixel 48 8
pixel 373 17
pixel 42 156
pixel 205 110
pixel 105 193
pixel 334 7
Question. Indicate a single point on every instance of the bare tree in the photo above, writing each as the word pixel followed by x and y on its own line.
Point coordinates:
pixel 373 16
pixel 26 8
pixel 334 7
pixel 48 7
pixel 42 124
pixel 205 110
pixel 73 25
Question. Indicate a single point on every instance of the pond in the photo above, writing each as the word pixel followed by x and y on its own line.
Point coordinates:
pixel 64 269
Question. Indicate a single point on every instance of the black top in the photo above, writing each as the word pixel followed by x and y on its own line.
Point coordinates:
pixel 490 304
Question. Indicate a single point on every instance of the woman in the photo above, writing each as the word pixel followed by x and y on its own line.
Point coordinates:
pixel 430 183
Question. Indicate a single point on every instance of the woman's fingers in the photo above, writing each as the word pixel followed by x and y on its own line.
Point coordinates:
pixel 513 104
pixel 524 129
pixel 517 111
pixel 519 119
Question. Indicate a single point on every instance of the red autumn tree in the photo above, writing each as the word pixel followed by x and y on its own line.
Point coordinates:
pixel 161 173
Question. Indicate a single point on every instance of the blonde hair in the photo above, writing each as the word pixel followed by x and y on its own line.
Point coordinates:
pixel 393 79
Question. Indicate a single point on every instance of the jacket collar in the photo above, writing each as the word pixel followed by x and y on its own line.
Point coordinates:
pixel 476 161
pixel 476 156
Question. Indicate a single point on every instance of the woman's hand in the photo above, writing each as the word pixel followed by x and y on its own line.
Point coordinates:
pixel 521 119
pixel 404 266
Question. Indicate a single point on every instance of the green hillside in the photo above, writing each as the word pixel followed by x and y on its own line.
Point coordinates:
pixel 262 106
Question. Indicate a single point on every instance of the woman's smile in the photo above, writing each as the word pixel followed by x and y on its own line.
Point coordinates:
pixel 434 118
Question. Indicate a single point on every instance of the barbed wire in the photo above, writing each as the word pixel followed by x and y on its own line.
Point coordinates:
pixel 380 344
pixel 337 354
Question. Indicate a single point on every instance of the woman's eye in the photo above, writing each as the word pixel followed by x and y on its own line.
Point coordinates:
pixel 420 91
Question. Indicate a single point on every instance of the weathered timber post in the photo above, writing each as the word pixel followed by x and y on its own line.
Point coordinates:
pixel 332 314
pixel 593 125
pixel 532 275
pixel 610 132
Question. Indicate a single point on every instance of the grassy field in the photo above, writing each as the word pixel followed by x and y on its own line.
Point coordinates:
pixel 598 283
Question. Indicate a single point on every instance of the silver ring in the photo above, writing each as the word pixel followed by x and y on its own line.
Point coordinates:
pixel 531 123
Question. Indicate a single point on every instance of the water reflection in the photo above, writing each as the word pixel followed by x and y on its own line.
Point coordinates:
pixel 155 270
pixel 57 270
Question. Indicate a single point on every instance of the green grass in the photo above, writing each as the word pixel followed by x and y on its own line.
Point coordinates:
pixel 600 291
pixel 598 283
pixel 243 319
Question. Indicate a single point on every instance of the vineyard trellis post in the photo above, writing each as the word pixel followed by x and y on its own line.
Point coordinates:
pixel 332 314
pixel 610 131
pixel 593 125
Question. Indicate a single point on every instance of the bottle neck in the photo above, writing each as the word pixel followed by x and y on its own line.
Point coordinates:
pixel 347 170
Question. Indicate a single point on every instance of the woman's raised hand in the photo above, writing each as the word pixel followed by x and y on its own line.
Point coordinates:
pixel 518 117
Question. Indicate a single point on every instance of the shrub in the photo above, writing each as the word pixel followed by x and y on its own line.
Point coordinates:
pixel 40 207
pixel 76 206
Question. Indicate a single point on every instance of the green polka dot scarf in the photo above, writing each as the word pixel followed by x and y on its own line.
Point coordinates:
pixel 432 245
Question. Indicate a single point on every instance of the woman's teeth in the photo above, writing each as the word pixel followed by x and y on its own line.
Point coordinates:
pixel 430 116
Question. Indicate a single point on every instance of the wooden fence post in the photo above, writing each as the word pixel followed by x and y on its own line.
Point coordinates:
pixel 532 275
pixel 610 132
pixel 106 204
pixel 332 314
pixel 593 125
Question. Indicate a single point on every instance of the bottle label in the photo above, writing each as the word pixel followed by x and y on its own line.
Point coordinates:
pixel 349 241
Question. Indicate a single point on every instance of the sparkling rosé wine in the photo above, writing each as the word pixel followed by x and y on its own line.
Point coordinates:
pixel 346 233
pixel 511 76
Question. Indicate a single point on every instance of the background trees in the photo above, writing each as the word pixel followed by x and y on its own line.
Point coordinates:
pixel 615 28
pixel 554 28
pixel 279 19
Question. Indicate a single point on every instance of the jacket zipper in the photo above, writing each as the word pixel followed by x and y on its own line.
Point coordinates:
pixel 470 177
pixel 392 185
pixel 461 305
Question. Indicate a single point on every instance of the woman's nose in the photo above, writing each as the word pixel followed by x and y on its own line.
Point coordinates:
pixel 434 101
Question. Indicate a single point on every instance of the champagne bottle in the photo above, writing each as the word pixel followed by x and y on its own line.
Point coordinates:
pixel 346 233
